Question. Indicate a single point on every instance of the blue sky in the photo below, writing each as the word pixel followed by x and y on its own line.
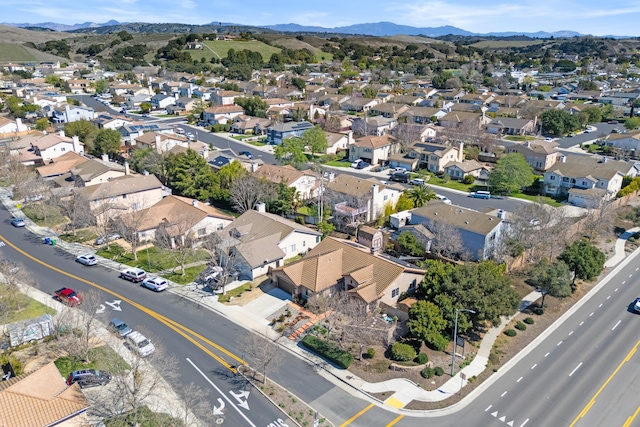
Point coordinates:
pixel 585 16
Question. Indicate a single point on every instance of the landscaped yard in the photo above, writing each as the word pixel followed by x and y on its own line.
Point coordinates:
pixel 519 138
pixel 257 143
pixel 241 137
pixel 161 259
pixel 102 358
pixel 84 235
pixel 339 163
pixel 23 307
pixel 44 215
pixel 190 274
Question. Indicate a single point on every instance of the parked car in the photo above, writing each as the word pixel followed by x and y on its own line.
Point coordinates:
pixel 190 135
pixel 356 162
pixel 119 327
pixel 417 181
pixel 87 259
pixel 68 296
pixel 480 195
pixel 18 222
pixel 246 153
pixel 137 342
pixel 443 199
pixel 400 177
pixel 107 238
pixel 155 284
pixel 89 378
pixel 133 274
pixel 397 170
pixel 363 165
pixel 180 131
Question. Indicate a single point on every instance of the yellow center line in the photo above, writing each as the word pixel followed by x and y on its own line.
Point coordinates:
pixel 350 420
pixel 395 421
pixel 180 329
pixel 593 399
pixel 631 418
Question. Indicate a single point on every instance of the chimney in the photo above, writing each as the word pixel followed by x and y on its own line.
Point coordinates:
pixel 461 152
pixel 194 203
pixel 61 133
pixel 126 168
pixel 18 124
pixel 76 144
pixel 105 157
pixel 500 213
pixel 157 140
pixel 261 207
pixel 604 159
pixel 563 159
pixel 254 167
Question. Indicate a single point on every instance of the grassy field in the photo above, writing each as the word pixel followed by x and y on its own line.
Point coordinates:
pixel 29 308
pixel 500 44
pixel 102 358
pixel 219 48
pixel 14 52
pixel 161 259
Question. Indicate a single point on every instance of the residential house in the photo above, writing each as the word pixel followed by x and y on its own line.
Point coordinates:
pixel 183 105
pixel 48 147
pixel 182 215
pixel 161 142
pixel 336 266
pixel 161 101
pixel 481 233
pixel 477 98
pixel 42 398
pixel 378 125
pixel 628 142
pixel 457 170
pixel 10 127
pixel 434 157
pixel 587 173
pixel 221 114
pixel 72 114
pixel 370 237
pixel 104 121
pixel 132 131
pixel 250 125
pixel 420 115
pixel 358 104
pixel 410 100
pixel 225 97
pixel 338 141
pixel 97 171
pixel 278 132
pixel 61 165
pixel 509 126
pixel 117 196
pixel 219 158
pixel 389 110
pixel 78 86
pixel 373 149
pixel 456 118
pixel 304 182
pixel 263 241
pixel 360 200
pixel 540 155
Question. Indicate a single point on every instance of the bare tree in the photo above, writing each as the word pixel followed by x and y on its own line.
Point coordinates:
pixel 104 212
pixel 598 219
pixel 247 191
pixel 447 241
pixel 128 226
pixel 262 352
pixel 12 277
pixel 178 237
pixel 86 323
pixel 76 209
pixel 193 407
pixel 407 134
pixel 12 169
pixel 223 261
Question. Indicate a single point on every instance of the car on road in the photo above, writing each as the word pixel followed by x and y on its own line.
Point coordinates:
pixel 636 305
pixel 133 274
pixel 119 327
pixel 68 296
pixel 400 177
pixel 180 131
pixel 590 129
pixel 548 139
pixel 18 222
pixel 417 181
pixel 356 162
pixel 480 195
pixel 107 238
pixel 443 199
pixel 89 378
pixel 247 154
pixel 157 284
pixel 190 135
pixel 137 342
pixel 87 259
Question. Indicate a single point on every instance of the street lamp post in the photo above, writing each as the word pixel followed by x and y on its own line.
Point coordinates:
pixel 455 339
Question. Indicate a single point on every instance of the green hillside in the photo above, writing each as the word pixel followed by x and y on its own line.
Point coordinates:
pixel 219 49
pixel 15 53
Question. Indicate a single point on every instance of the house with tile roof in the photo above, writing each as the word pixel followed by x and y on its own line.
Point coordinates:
pixel 225 97
pixel 10 127
pixel 587 173
pixel 61 165
pixel 161 142
pixel 373 149
pixel 278 132
pixel 434 157
pixel 221 114
pixel 457 170
pixel 48 147
pixel 41 399
pixel 181 215
pixel 481 233
pixel 338 141
pixel 263 241
pixel 421 115
pixel 628 142
pixel 105 121
pixel 97 171
pixel 304 182
pixel 540 155
pixel 337 266
pixel 509 126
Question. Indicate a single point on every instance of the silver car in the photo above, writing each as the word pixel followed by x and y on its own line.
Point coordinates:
pixel 87 259
pixel 155 284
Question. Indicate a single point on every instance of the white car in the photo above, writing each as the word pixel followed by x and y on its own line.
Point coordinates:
pixel 443 199
pixel 155 284
pixel 636 306
pixel 87 259
pixel 133 274
pixel 356 163
pixel 417 181
pixel 137 342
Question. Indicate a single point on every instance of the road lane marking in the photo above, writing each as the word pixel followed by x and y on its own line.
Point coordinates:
pixel 534 366
pixel 591 314
pixel 519 379
pixel 600 305
pixel 581 323
pixel 616 325
pixel 558 343
pixel 488 407
pixel 593 399
pixel 502 395
pixel 570 333
pixel 616 290
pixel 180 329
pixel 609 297
pixel 624 281
pixel 575 369
pixel 395 421
pixel 631 418
pixel 220 391
pixel 548 353
pixel 350 420
pixel 525 421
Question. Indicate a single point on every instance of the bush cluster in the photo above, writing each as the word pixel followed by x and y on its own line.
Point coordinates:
pixel 325 349
pixel 520 326
pixel 371 353
pixel 422 358
pixel 510 333
pixel 438 371
pixel 402 352
pixel 529 320
pixel 427 372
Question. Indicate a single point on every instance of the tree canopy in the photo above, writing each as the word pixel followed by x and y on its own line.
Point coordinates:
pixel 551 278
pixel 253 106
pixel 585 260
pixel 511 173
pixel 191 176
pixel 427 323
pixel 558 122
pixel 107 141
pixel 291 152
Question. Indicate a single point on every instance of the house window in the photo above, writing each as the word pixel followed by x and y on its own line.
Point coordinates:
pixel 124 196
pixel 385 197
pixel 317 239
pixel 395 292
pixel 202 231
pixel 61 148
pixel 412 285
pixel 219 227
pixel 136 206
pixel 304 243
pixel 292 249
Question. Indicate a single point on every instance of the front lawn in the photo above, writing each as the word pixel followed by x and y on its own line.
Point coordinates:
pixel 161 259
pixel 44 215
pixel 22 307
pixel 103 358
pixel 236 292
pixel 339 164
pixel 257 143
pixel 519 138
pixel 190 274
pixel 81 236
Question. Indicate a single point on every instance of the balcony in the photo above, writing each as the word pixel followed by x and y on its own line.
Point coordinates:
pixel 346 210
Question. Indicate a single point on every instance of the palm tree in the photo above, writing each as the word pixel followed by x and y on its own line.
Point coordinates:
pixel 420 194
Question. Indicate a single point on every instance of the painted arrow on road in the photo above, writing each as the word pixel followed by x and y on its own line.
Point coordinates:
pixel 115 305
pixel 218 410
pixel 242 398
pixel 101 309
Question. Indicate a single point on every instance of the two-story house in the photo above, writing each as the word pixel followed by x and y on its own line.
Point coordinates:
pixel 587 181
pixel 358 104
pixel 540 155
pixel 373 149
pixel 278 132
pixel 161 101
pixel 509 126
pixel 434 157
pixel 97 171
pixel 221 114
pixel 262 241
pixel 304 182
pixel 10 127
pixel 70 114
pixel 225 97
pixel 48 147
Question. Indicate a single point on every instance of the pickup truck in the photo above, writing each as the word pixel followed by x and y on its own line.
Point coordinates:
pixel 68 296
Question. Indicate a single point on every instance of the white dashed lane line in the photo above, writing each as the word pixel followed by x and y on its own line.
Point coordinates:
pixel 558 343
pixel 616 325
pixel 488 407
pixel 581 323
pixel 519 379
pixel 502 395
pixel 534 366
pixel 546 354
pixel 576 368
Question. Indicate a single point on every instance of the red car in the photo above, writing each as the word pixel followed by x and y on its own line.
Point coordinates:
pixel 68 296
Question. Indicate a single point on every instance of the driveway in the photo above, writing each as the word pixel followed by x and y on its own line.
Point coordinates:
pixel 268 303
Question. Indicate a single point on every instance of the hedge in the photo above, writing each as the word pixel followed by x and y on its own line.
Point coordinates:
pixel 340 357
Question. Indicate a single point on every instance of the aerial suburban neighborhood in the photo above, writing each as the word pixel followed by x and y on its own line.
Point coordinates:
pixel 306 228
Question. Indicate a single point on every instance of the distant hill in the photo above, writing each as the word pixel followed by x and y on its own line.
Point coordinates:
pixel 63 27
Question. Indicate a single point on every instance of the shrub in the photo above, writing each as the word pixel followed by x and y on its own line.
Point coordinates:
pixel 427 372
pixel 520 326
pixel 438 343
pixel 402 352
pixel 538 310
pixel 422 358
pixel 529 320
pixel 438 371
pixel 510 333
pixel 468 179
pixel 328 351
pixel 371 353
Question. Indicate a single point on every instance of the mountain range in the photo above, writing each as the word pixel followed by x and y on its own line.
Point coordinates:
pixel 370 29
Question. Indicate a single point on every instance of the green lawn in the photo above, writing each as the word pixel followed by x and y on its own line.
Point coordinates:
pixel 161 259
pixel 10 52
pixel 339 164
pixel 44 215
pixel 234 292
pixel 257 143
pixel 102 358
pixel 81 236
pixel 23 307
pixel 241 137
pixel 221 47
pixel 519 138
pixel 190 274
